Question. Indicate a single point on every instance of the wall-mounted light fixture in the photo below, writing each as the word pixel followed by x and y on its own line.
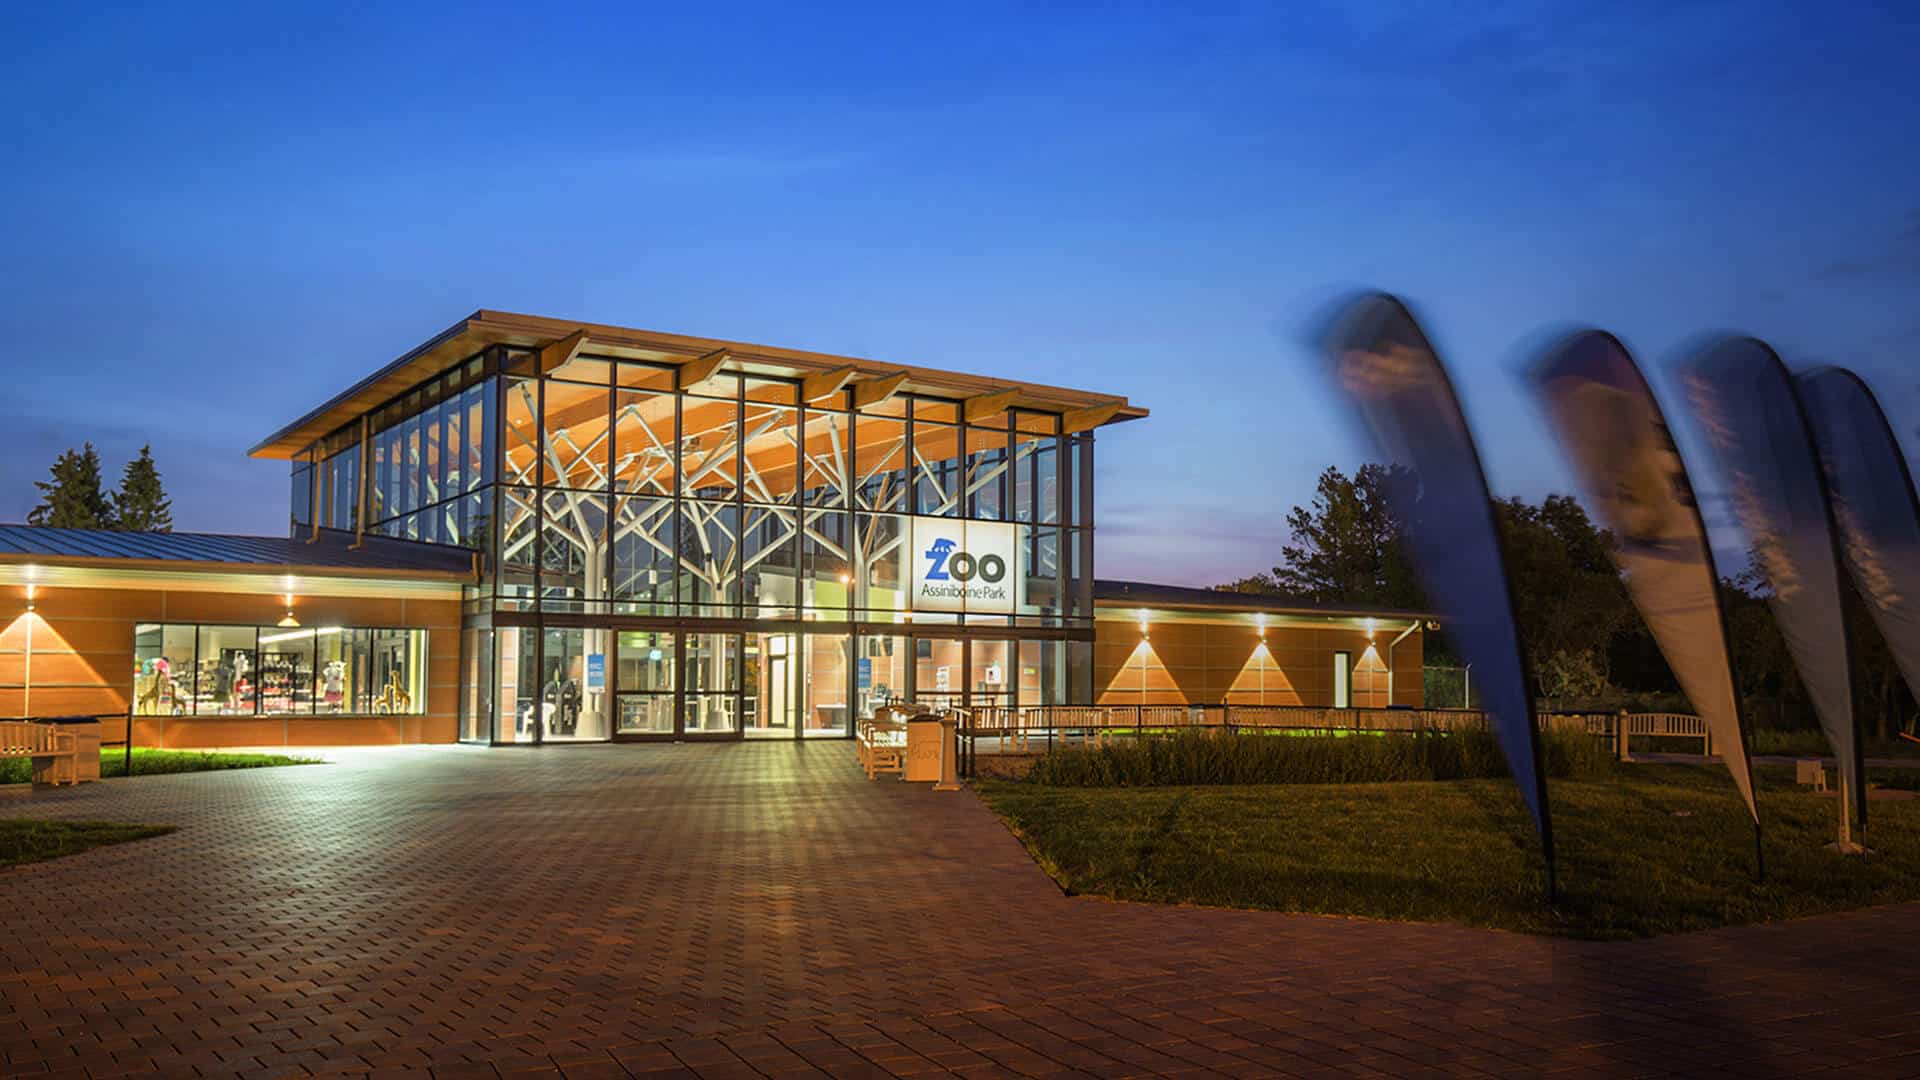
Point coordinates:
pixel 288 619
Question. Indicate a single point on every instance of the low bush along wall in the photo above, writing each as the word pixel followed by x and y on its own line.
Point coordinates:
pixel 1220 758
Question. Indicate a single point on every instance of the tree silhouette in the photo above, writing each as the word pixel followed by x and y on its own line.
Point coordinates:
pixel 73 499
pixel 141 504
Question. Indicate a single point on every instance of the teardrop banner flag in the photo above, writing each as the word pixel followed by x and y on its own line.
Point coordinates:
pixel 1614 434
pixel 1874 506
pixel 1400 389
pixel 1745 400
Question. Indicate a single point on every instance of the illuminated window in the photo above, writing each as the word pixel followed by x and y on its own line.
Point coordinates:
pixel 188 670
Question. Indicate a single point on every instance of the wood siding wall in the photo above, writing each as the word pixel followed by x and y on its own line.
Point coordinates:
pixel 1202 660
pixel 83 663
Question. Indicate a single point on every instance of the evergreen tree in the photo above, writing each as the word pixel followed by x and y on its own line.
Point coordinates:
pixel 141 504
pixel 73 499
pixel 1347 545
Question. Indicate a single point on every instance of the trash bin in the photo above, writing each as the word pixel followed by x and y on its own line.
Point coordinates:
pixel 923 748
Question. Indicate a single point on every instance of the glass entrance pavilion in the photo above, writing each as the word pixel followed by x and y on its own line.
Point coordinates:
pixel 688 538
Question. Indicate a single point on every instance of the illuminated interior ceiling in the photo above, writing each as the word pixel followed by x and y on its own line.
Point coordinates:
pixel 712 430
pixel 562 341
pixel 727 448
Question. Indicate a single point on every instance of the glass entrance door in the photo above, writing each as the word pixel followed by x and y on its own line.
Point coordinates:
pixel 939 671
pixel 828 671
pixel 768 707
pixel 644 677
pixel 990 674
pixel 710 696
pixel 685 686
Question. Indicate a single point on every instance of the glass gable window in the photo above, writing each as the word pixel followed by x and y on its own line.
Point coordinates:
pixel 198 670
pixel 429 456
pixel 302 513
pixel 937 468
pixel 880 458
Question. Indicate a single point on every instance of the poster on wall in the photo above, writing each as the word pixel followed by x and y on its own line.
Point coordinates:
pixel 1745 401
pixel 964 566
pixel 1404 400
pixel 1610 425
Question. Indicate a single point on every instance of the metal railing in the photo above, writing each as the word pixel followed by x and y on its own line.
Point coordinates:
pixel 1042 728
pixel 1619 727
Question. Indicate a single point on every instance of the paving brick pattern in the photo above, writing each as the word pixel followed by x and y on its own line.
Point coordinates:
pixel 757 910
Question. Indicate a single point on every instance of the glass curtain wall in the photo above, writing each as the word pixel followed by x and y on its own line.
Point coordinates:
pixel 605 491
pixel 732 498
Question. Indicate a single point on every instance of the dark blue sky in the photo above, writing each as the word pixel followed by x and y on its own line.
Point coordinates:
pixel 216 219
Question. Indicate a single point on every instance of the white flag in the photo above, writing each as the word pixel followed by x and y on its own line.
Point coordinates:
pixel 1613 432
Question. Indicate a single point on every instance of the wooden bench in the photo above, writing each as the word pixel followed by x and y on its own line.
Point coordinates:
pixel 26 739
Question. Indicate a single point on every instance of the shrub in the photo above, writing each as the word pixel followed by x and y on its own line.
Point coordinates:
pixel 1222 758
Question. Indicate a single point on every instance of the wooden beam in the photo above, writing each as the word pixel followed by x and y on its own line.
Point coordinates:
pixel 1087 419
pixel 826 383
pixel 993 403
pixel 700 369
pixel 874 391
pixel 557 354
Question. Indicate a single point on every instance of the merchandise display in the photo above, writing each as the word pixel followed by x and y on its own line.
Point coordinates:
pixel 189 670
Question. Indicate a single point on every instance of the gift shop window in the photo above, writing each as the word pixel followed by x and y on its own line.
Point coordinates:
pixel 190 670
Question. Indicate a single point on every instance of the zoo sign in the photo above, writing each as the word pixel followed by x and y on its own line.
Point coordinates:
pixel 964 565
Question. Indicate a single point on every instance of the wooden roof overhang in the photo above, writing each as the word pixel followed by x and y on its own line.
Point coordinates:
pixel 701 357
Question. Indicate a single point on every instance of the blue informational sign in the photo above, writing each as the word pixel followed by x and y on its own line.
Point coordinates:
pixel 863 673
pixel 596 673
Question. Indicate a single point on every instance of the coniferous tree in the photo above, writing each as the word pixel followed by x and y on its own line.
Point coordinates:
pixel 1347 545
pixel 73 499
pixel 141 504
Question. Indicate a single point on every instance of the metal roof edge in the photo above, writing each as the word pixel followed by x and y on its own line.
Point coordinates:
pixel 412 354
pixel 1116 594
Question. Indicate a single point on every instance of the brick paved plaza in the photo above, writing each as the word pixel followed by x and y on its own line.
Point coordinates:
pixel 747 910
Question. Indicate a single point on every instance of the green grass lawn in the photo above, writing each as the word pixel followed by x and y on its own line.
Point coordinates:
pixel 1644 850
pixel 153 762
pixel 32 841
